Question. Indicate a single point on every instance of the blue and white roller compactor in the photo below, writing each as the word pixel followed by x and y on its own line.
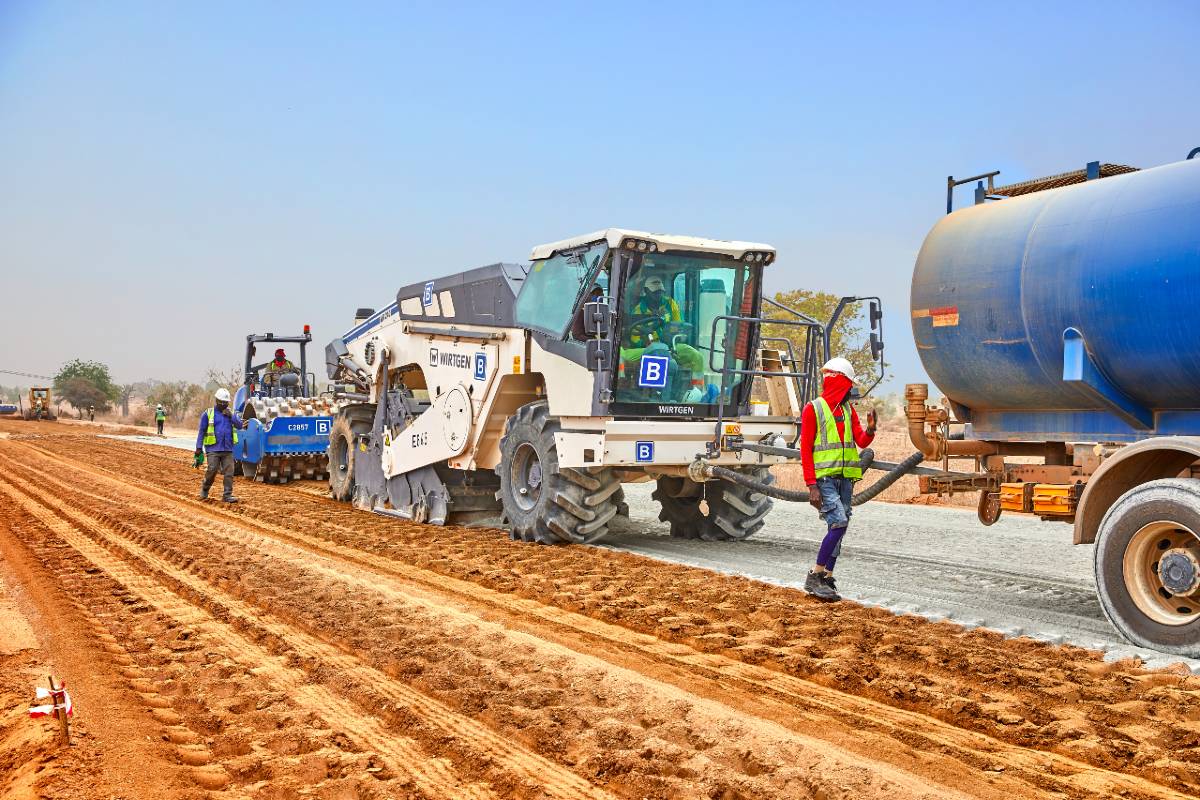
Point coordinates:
pixel 1059 319
pixel 534 391
pixel 287 421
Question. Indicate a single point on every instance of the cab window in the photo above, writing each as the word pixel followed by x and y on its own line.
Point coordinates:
pixel 553 287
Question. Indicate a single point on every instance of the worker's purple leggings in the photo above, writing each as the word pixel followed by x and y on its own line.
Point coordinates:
pixel 831 546
pixel 836 509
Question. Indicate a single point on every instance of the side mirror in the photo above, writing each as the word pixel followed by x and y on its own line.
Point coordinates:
pixel 599 355
pixel 876 314
pixel 597 318
pixel 876 346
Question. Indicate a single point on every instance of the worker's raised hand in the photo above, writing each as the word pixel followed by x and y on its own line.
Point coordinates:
pixel 814 497
pixel 872 419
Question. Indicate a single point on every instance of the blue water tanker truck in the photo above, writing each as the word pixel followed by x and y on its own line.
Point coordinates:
pixel 1057 317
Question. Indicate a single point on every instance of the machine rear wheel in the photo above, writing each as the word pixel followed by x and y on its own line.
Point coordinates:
pixel 734 512
pixel 341 459
pixel 1147 563
pixel 543 503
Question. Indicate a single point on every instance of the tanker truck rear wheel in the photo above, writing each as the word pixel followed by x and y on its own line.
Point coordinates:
pixel 733 512
pixel 1147 562
pixel 542 502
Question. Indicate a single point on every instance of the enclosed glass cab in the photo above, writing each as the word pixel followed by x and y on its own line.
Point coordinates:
pixel 675 338
pixel 677 329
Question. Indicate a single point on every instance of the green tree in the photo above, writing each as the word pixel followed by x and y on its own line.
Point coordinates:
pixel 177 398
pixel 94 372
pixel 81 393
pixel 849 338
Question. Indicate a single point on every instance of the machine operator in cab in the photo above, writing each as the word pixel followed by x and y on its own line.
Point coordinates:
pixel 653 302
pixel 280 363
pixel 830 438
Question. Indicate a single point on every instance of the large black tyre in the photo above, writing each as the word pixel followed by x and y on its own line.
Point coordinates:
pixel 341 459
pixel 1156 518
pixel 543 503
pixel 734 512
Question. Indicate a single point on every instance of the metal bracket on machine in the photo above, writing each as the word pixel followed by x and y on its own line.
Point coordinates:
pixel 1079 369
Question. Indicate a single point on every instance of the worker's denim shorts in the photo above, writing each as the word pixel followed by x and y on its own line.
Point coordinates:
pixel 835 500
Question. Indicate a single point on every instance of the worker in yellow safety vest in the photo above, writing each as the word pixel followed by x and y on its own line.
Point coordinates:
pixel 653 302
pixel 216 438
pixel 830 438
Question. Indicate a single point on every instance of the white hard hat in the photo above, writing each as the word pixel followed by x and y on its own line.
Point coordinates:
pixel 223 394
pixel 840 366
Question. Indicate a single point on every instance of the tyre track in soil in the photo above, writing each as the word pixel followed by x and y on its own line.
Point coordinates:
pixel 433 776
pixel 529 768
pixel 822 710
pixel 893 780
pixel 765 681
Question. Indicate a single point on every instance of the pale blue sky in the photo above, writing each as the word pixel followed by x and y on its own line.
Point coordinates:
pixel 174 176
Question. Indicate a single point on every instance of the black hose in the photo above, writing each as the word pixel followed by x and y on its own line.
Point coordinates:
pixel 801 495
pixel 770 490
pixel 887 480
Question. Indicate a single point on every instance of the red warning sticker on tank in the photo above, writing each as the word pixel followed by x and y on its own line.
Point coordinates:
pixel 944 317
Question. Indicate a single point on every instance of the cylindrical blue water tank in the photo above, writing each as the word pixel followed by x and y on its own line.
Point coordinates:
pixel 1118 258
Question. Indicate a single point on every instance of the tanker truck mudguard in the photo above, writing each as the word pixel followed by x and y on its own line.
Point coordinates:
pixel 287 421
pixel 1058 318
pixel 534 391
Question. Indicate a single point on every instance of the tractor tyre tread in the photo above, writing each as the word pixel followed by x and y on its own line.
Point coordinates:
pixel 734 512
pixel 574 506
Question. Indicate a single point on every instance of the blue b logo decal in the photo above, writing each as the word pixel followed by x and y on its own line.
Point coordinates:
pixel 643 451
pixel 653 372
pixel 427 295
pixel 480 366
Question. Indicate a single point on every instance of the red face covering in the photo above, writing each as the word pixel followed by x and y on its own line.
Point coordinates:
pixel 835 389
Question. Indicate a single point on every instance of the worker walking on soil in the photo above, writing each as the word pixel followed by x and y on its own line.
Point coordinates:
pixel 160 418
pixel 217 436
pixel 91 413
pixel 830 438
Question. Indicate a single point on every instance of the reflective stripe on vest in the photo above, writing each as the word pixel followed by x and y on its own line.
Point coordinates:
pixel 210 435
pixel 834 455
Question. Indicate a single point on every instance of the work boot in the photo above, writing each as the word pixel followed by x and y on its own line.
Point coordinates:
pixel 815 585
pixel 204 494
pixel 828 580
pixel 230 499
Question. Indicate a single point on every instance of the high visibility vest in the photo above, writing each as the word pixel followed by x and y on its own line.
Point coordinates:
pixel 668 311
pixel 835 455
pixel 160 415
pixel 210 435
pixel 286 365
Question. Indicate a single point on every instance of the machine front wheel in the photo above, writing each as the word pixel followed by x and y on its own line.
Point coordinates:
pixel 1147 563
pixel 543 502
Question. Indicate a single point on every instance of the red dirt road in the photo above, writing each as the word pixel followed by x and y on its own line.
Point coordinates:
pixel 292 645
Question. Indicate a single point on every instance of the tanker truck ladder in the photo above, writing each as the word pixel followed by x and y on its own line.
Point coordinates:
pixel 1093 171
